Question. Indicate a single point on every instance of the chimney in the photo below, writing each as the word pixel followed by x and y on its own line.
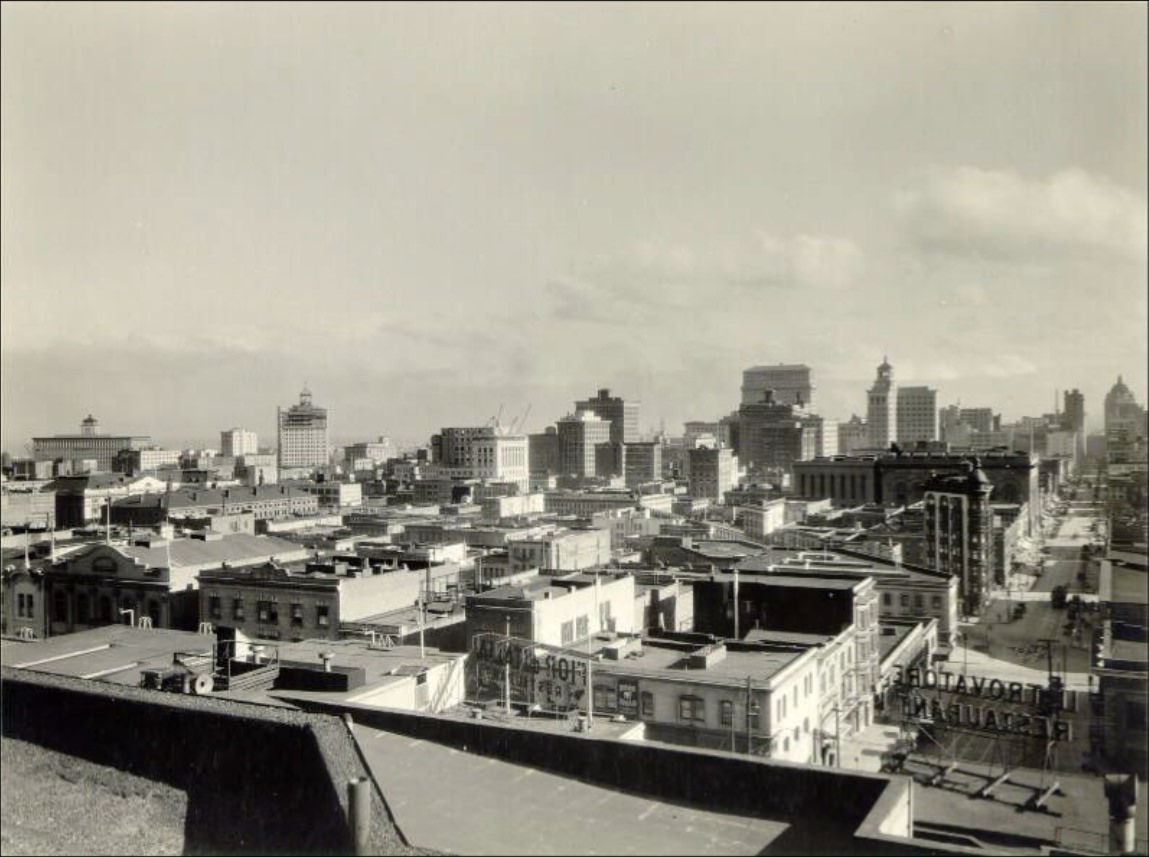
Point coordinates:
pixel 326 657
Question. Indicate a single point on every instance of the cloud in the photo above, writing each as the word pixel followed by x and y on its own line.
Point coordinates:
pixel 649 277
pixel 998 214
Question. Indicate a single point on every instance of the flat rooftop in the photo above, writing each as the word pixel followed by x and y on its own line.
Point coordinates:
pixel 428 784
pixel 113 653
pixel 759 665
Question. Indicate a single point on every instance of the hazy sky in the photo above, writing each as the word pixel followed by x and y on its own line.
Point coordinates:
pixel 428 211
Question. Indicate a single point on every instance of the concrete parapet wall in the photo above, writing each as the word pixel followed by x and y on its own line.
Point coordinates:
pixel 866 813
pixel 258 779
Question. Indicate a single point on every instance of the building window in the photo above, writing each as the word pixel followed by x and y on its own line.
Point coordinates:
pixel 726 712
pixel 268 611
pixel 237 608
pixel 887 599
pixel 647 704
pixel 321 615
pixel 60 606
pixel 905 599
pixel 20 605
pixel 213 607
pixel 692 708
pixel 917 601
pixel 582 627
pixel 567 633
pixel 297 614
pixel 937 602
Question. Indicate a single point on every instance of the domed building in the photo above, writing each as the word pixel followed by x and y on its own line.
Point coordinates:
pixel 1125 424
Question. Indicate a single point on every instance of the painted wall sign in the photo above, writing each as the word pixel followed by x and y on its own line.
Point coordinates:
pixel 1000 707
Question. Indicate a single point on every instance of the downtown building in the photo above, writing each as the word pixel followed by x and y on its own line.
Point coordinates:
pixel 1125 425
pixel 90 445
pixel 960 535
pixel 235 442
pixel 579 436
pixel 917 415
pixel 899 479
pixel 791 384
pixel 711 472
pixel 772 436
pixel 882 409
pixel 622 415
pixel 303 442
pixel 483 452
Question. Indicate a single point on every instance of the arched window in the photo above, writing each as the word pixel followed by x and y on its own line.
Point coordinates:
pixel 83 609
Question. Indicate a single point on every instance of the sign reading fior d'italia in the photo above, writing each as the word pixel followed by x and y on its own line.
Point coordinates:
pixel 553 678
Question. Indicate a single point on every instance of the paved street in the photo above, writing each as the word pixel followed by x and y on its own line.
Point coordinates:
pixel 998 646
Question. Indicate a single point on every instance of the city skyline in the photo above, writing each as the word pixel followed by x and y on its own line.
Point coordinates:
pixel 427 213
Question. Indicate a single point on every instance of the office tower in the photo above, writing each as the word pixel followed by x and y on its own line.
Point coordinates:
pixel 710 472
pixel 579 436
pixel 917 411
pixel 790 382
pixel 882 408
pixel 772 436
pixel 621 414
pixel 235 442
pixel 302 434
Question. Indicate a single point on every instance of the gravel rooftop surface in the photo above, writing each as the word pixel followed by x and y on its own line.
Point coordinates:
pixel 57 804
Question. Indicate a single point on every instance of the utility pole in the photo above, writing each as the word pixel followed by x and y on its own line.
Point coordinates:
pixel 749 703
pixel 736 637
pixel 507 670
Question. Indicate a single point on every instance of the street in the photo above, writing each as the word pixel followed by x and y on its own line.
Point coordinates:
pixel 996 645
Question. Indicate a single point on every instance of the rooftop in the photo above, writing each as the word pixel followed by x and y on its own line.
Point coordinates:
pixel 233 548
pixel 113 653
pixel 759 664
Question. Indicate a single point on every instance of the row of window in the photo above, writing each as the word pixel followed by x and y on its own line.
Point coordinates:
pixel 267 612
pixel 919 601
pixel 692 709
pixel 105 612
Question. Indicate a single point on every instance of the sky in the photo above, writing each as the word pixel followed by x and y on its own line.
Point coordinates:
pixel 433 213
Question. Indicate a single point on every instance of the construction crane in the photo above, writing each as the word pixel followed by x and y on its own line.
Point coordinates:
pixel 521 422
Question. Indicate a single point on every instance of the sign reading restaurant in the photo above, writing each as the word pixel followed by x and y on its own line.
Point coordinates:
pixel 978 704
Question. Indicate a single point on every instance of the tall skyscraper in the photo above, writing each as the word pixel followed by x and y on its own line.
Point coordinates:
pixel 579 437
pixel 772 436
pixel 235 442
pixel 882 408
pixel 621 414
pixel 1073 419
pixel 790 382
pixel 917 410
pixel 303 434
